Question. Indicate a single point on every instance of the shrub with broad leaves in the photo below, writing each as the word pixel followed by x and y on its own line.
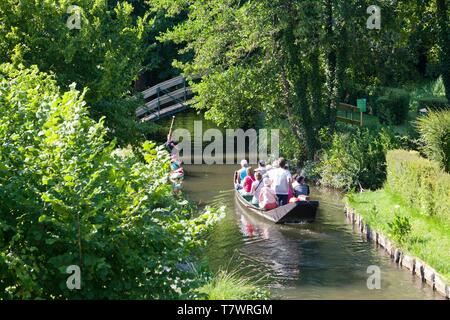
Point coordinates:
pixel 69 197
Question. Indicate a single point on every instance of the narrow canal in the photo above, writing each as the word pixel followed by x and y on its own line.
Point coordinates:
pixel 322 260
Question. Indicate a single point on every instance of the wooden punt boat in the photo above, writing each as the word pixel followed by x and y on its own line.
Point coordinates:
pixel 298 212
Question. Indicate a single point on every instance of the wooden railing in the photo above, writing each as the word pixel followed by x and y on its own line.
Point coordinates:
pixel 172 96
pixel 348 108
pixel 164 99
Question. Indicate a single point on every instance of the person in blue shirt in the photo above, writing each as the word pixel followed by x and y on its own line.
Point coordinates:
pixel 243 171
pixel 240 175
pixel 301 188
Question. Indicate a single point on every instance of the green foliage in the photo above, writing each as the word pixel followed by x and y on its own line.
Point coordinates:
pixel 69 197
pixel 438 87
pixel 355 159
pixel 434 130
pixel 350 195
pixel 250 62
pixel 229 285
pixel 295 60
pixel 400 228
pixel 420 182
pixel 430 92
pixel 393 106
pixel 228 106
pixel 443 35
pixel 433 103
pixel 105 55
pixel 429 237
pixel 374 213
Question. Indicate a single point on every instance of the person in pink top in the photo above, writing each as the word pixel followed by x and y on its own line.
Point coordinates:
pixel 267 198
pixel 257 185
pixel 248 180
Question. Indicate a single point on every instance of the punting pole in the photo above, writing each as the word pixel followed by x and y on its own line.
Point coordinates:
pixel 171 126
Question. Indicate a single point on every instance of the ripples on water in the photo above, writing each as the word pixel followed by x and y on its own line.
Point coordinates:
pixel 322 260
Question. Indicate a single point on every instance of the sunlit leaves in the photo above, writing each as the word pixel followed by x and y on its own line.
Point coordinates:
pixel 68 196
pixel 105 55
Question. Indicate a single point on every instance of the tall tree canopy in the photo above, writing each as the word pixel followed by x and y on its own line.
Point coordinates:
pixel 295 59
pixel 104 55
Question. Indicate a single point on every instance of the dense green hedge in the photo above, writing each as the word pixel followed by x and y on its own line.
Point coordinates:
pixel 420 182
pixel 433 103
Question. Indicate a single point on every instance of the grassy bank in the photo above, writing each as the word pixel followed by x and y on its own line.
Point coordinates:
pixel 229 285
pixel 428 238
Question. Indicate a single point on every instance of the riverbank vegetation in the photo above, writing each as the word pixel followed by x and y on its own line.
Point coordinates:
pixel 416 234
pixel 294 62
pixel 68 196
pixel 230 285
pixel 80 185
pixel 413 208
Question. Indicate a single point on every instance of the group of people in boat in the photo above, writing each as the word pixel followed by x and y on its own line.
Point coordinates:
pixel 270 186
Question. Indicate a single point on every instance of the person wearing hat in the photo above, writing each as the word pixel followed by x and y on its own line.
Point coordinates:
pixel 267 198
pixel 240 175
pixel 261 167
pixel 243 170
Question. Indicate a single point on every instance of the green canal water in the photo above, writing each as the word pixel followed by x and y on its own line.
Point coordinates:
pixel 322 260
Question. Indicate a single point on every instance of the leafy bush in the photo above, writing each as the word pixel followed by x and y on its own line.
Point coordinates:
pixel 420 182
pixel 438 87
pixel 105 55
pixel 432 103
pixel 68 197
pixel 400 228
pixel 393 106
pixel 434 130
pixel 355 159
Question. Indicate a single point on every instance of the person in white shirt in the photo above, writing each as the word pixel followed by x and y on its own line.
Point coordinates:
pixel 281 181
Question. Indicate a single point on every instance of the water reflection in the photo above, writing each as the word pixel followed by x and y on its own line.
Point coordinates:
pixel 275 253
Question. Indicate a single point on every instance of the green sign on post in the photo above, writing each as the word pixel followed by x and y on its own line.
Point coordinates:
pixel 362 105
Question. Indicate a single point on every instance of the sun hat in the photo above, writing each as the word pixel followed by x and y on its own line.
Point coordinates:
pixel 267 182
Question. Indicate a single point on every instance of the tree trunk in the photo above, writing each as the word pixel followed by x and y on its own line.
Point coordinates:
pixel 331 65
pixel 444 42
pixel 293 121
pixel 297 74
